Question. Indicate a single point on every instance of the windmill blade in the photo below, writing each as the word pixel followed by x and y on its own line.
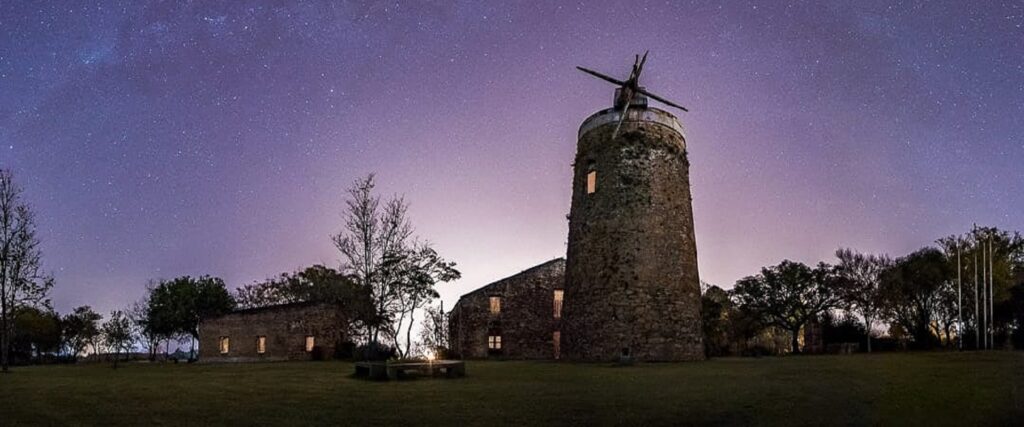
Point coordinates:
pixel 662 100
pixel 625 108
pixel 642 61
pixel 601 76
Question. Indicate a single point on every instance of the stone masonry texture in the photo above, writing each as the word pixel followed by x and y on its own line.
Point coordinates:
pixel 285 328
pixel 632 286
pixel 526 321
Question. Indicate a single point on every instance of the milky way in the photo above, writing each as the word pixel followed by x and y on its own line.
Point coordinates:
pixel 158 140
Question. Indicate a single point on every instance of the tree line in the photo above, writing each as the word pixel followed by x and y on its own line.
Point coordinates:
pixel 387 276
pixel 966 291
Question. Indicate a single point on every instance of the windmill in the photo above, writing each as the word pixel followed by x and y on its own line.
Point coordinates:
pixel 629 89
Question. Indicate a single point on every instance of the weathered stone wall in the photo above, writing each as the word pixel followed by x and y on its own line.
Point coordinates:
pixel 285 326
pixel 526 322
pixel 631 271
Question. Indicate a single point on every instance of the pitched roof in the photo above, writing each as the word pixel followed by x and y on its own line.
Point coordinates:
pixel 540 266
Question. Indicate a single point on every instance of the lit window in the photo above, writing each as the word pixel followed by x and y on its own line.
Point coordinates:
pixel 591 182
pixel 558 303
pixel 556 341
pixel 310 342
pixel 261 344
pixel 225 345
pixel 495 305
pixel 494 342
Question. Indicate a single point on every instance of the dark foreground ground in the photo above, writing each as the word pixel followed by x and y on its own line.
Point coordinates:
pixel 918 389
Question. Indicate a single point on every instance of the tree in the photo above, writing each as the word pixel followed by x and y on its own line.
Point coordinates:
pixel 413 274
pixel 381 255
pixel 788 295
pixel 316 283
pixel 80 329
pixel 714 310
pixel 860 285
pixel 37 332
pixel 22 282
pixel 176 307
pixel 139 315
pixel 118 334
pixel 434 334
pixel 912 288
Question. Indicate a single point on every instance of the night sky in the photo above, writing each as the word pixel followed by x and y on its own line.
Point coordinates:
pixel 169 139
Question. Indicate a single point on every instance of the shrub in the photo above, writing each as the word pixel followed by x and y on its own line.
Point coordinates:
pixel 374 352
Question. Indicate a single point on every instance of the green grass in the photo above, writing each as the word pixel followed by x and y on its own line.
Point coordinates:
pixel 921 388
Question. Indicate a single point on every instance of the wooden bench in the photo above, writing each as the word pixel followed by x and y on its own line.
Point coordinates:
pixel 396 370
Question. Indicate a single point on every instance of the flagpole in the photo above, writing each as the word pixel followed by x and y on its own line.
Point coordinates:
pixel 959 299
pixel 984 295
pixel 991 297
pixel 977 319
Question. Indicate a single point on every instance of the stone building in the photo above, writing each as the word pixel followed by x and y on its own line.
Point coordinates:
pixel 629 281
pixel 632 288
pixel 518 317
pixel 299 331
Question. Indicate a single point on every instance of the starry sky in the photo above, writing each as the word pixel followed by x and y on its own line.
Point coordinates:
pixel 158 139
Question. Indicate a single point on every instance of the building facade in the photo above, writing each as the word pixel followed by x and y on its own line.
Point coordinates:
pixel 629 286
pixel 518 317
pixel 632 287
pixel 300 331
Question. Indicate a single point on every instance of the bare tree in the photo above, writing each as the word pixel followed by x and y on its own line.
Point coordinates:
pixel 434 335
pixel 381 254
pixel 861 277
pixel 22 282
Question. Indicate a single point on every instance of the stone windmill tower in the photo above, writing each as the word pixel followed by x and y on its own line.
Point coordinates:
pixel 632 290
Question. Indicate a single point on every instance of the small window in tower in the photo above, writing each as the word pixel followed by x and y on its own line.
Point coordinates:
pixel 310 342
pixel 261 344
pixel 225 345
pixel 591 182
pixel 558 303
pixel 556 341
pixel 494 342
pixel 495 305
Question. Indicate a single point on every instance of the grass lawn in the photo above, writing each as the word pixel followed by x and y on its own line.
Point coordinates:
pixel 907 388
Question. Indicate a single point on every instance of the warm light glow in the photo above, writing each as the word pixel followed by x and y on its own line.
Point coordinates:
pixel 430 355
pixel 558 303
pixel 495 305
pixel 591 182
pixel 310 342
pixel 494 342
pixel 261 344
pixel 225 345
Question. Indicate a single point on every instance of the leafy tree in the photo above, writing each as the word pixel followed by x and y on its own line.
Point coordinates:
pixel 381 255
pixel 22 282
pixel 715 309
pixel 913 288
pixel 860 288
pixel 176 307
pixel 37 332
pixel 413 273
pixel 118 334
pixel 788 295
pixel 81 329
pixel 313 284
